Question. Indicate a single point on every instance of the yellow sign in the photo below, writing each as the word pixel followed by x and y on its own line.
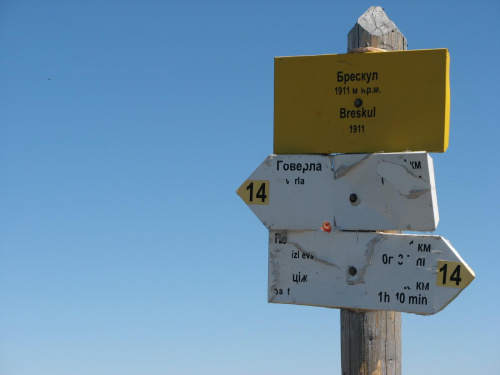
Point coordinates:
pixel 362 102
pixel 453 274
pixel 254 192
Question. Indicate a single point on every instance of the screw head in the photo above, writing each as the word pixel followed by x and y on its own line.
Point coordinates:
pixel 353 198
pixel 358 103
pixel 353 271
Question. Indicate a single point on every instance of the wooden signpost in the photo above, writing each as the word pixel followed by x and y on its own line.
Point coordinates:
pixel 371 341
pixel 325 212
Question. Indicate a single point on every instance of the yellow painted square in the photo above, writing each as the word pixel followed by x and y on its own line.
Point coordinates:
pixel 453 274
pixel 254 192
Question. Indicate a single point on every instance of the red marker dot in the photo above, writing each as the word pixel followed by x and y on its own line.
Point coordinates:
pixel 326 227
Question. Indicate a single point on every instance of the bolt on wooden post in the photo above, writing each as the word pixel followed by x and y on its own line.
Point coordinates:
pixel 371 341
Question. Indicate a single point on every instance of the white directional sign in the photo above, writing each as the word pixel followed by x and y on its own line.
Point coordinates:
pixel 393 191
pixel 419 274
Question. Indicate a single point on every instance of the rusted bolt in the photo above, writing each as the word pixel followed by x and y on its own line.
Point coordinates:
pixel 353 271
pixel 358 103
pixel 353 198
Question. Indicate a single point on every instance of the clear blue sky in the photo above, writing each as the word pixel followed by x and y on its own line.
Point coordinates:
pixel 126 127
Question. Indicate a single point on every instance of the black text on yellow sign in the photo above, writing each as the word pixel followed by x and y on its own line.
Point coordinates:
pixel 356 103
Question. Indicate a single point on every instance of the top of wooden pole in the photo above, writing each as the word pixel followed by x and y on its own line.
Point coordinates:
pixel 374 29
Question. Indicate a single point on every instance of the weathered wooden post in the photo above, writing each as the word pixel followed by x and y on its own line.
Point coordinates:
pixel 371 341
pixel 374 29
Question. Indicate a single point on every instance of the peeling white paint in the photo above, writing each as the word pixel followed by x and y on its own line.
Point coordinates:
pixel 361 270
pixel 394 191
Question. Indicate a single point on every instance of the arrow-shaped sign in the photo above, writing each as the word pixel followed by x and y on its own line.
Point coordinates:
pixel 420 274
pixel 394 191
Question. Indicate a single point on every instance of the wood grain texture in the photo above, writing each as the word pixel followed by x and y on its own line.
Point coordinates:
pixel 371 342
pixel 375 29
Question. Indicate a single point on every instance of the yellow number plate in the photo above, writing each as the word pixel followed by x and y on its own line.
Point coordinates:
pixel 453 274
pixel 254 192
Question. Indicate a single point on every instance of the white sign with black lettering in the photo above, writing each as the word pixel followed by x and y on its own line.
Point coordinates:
pixel 394 191
pixel 419 274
